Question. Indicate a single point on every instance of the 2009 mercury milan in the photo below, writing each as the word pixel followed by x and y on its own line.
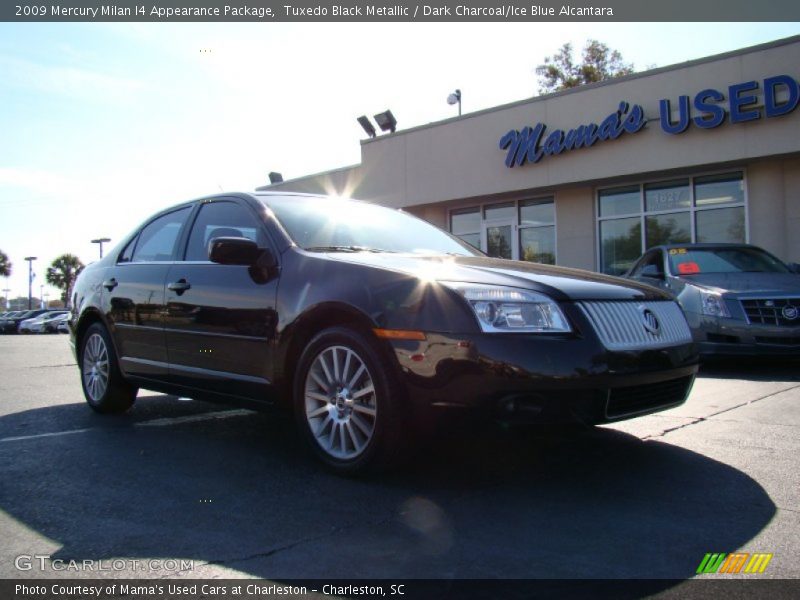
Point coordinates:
pixel 366 319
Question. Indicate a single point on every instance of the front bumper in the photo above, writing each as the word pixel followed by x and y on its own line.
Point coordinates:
pixel 551 378
pixel 735 337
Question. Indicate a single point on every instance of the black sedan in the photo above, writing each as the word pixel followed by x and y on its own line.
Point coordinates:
pixel 738 298
pixel 366 321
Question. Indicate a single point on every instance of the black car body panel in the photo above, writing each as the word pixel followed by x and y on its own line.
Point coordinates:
pixel 234 332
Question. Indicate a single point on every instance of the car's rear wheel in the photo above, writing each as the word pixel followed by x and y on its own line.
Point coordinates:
pixel 104 387
pixel 346 403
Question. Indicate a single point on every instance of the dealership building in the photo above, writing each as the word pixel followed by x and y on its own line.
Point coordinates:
pixel 704 151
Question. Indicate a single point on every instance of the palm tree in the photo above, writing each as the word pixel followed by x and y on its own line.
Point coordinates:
pixel 5 265
pixel 62 273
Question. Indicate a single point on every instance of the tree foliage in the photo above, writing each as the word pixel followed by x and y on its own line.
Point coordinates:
pixel 5 265
pixel 599 62
pixel 62 273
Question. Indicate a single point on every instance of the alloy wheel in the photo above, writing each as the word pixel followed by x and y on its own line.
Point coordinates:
pixel 95 367
pixel 340 402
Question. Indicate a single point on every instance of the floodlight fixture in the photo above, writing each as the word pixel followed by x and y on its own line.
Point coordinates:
pixel 386 121
pixel 366 125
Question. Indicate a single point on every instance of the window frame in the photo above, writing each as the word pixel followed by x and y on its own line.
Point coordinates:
pixel 179 240
pixel 516 225
pixel 520 227
pixel 463 211
pixel 257 219
pixel 693 209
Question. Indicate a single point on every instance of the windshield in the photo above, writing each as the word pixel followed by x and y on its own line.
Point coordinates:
pixel 332 224
pixel 696 261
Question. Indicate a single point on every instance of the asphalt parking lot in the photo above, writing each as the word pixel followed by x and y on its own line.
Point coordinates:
pixel 235 494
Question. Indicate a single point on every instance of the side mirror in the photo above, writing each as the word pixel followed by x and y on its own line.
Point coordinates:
pixel 233 251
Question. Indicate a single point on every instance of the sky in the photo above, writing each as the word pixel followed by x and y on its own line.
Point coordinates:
pixel 103 124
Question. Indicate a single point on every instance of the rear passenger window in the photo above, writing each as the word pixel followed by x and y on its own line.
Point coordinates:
pixel 222 219
pixel 157 240
pixel 127 253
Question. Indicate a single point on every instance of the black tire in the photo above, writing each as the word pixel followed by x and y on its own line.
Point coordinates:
pixel 104 387
pixel 351 450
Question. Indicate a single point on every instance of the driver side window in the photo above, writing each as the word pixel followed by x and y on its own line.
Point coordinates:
pixel 222 219
pixel 651 265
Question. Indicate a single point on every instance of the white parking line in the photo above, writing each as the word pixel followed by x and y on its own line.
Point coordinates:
pixel 43 435
pixel 222 414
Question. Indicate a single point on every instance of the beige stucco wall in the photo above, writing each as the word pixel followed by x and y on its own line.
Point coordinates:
pixel 575 228
pixel 773 190
pixel 791 179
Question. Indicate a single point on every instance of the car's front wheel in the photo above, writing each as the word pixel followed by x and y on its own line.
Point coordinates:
pixel 104 387
pixel 346 402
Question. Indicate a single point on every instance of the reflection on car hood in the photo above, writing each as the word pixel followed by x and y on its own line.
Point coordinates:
pixel 558 282
pixel 777 283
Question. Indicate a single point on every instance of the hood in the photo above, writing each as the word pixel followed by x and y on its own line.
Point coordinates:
pixel 559 283
pixel 766 283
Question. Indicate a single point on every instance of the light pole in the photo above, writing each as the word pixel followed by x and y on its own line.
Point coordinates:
pixel 6 290
pixel 30 260
pixel 101 241
pixel 455 98
pixel 41 296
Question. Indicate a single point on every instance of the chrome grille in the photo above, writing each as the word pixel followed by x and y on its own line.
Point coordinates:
pixel 772 311
pixel 623 325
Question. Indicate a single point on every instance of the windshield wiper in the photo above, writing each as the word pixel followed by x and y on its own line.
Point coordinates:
pixel 345 249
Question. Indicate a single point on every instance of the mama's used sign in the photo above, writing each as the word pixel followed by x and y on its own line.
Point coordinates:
pixel 708 109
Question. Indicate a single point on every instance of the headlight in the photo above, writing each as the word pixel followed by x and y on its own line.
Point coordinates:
pixel 503 310
pixel 713 305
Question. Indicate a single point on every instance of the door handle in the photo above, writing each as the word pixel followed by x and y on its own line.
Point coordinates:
pixel 110 284
pixel 179 286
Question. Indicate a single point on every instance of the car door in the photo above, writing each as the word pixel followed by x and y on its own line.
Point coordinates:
pixel 133 295
pixel 221 319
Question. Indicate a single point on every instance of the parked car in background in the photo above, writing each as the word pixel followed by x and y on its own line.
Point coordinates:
pixel 11 324
pixel 37 324
pixel 365 320
pixel 63 326
pixel 738 298
pixel 50 325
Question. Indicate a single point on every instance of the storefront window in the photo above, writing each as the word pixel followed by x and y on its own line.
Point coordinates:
pixel 667 195
pixel 537 232
pixel 701 209
pixel 499 211
pixel 620 201
pixel 673 228
pixel 498 241
pixel 522 230
pixel 719 189
pixel 620 244
pixel 721 225
pixel 537 244
pixel 466 224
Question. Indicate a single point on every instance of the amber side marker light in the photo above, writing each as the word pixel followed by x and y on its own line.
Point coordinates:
pixel 399 334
